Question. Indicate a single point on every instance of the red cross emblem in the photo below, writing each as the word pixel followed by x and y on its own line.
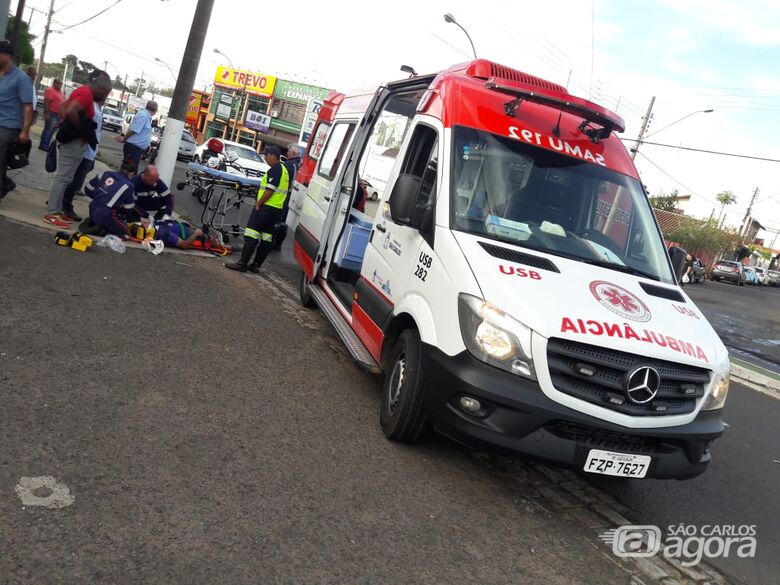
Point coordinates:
pixel 620 301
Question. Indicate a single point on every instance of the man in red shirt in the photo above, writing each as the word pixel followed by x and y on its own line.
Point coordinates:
pixel 76 132
pixel 53 98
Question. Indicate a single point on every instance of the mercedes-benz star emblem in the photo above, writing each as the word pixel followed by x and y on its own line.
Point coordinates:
pixel 642 384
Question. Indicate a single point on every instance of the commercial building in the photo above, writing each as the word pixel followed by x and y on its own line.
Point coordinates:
pixel 255 109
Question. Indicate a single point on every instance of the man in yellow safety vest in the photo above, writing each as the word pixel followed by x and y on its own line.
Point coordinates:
pixel 258 234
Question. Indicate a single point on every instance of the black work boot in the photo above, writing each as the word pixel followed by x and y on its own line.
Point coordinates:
pixel 250 245
pixel 262 253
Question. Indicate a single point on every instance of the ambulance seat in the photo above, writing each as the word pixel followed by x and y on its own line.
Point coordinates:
pixel 351 249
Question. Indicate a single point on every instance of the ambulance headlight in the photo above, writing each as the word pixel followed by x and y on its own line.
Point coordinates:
pixel 494 337
pixel 720 390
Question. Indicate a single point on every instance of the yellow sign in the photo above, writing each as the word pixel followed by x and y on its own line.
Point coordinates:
pixel 193 110
pixel 252 82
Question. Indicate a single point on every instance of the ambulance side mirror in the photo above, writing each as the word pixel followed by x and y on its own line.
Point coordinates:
pixel 403 197
pixel 677 256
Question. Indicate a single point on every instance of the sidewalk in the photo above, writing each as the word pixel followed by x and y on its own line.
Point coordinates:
pixel 27 203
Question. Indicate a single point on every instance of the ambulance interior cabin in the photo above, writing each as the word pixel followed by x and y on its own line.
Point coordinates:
pixel 374 164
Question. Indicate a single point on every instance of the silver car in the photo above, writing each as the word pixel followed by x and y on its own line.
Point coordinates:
pixel 187 146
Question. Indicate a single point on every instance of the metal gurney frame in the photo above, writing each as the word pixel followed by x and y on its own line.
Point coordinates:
pixel 224 191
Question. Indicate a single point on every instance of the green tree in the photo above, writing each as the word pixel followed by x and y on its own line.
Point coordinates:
pixel 24 46
pixel 69 63
pixel 665 202
pixel 724 198
pixel 703 236
pixel 119 84
pixel 53 70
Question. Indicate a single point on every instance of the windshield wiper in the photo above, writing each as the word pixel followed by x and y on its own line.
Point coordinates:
pixel 621 268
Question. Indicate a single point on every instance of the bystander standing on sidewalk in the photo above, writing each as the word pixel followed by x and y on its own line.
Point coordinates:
pixel 16 109
pixel 76 132
pixel 85 167
pixel 139 135
pixel 53 98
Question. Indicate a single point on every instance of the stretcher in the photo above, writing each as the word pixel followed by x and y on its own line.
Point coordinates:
pixel 227 198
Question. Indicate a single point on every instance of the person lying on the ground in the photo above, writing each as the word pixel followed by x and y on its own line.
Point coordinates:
pixel 178 234
pixel 111 194
pixel 152 195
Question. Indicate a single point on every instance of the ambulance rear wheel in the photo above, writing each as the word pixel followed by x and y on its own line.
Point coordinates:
pixel 304 292
pixel 403 414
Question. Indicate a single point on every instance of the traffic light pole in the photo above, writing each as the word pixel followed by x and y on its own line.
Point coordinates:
pixel 169 146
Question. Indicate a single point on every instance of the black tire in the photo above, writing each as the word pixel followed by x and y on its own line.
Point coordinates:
pixel 402 414
pixel 741 283
pixel 304 293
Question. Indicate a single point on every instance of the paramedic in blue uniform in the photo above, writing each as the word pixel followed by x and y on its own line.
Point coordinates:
pixel 258 234
pixel 112 195
pixel 152 195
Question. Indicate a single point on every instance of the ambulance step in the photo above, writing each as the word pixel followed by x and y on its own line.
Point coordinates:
pixel 355 347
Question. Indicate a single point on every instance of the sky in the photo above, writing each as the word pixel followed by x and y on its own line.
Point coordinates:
pixel 692 56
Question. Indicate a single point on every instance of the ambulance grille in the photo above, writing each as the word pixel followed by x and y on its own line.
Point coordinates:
pixel 519 257
pixel 607 371
pixel 662 292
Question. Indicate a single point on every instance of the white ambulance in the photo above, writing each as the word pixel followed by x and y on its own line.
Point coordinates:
pixel 512 286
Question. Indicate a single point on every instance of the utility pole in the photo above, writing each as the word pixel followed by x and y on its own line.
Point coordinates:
pixel 140 83
pixel 743 229
pixel 169 146
pixel 645 122
pixel 43 44
pixel 17 26
pixel 5 8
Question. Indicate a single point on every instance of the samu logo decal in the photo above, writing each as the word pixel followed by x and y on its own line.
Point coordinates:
pixel 620 301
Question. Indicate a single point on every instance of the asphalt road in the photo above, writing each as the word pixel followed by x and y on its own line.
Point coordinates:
pixel 209 430
pixel 212 432
pixel 747 318
pixel 741 485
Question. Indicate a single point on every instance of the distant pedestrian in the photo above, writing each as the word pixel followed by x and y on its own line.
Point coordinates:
pixel 85 167
pixel 32 73
pixel 53 98
pixel 16 110
pixel 77 131
pixel 687 271
pixel 139 135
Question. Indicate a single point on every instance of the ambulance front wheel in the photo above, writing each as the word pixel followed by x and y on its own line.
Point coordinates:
pixel 403 413
pixel 304 292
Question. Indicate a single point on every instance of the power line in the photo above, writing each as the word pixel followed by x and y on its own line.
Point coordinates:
pixel 94 16
pixel 748 156
pixel 691 191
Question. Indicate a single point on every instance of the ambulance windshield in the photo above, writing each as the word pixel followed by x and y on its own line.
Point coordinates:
pixel 506 190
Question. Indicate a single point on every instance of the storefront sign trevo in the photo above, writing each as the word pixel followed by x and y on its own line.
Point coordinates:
pixel 257 83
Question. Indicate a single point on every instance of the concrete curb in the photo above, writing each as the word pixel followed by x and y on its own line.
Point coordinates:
pixel 752 376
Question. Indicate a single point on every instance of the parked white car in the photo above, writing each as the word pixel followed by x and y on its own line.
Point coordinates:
pixel 126 123
pixel 772 278
pixel 112 119
pixel 187 146
pixel 248 159
pixel 760 275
